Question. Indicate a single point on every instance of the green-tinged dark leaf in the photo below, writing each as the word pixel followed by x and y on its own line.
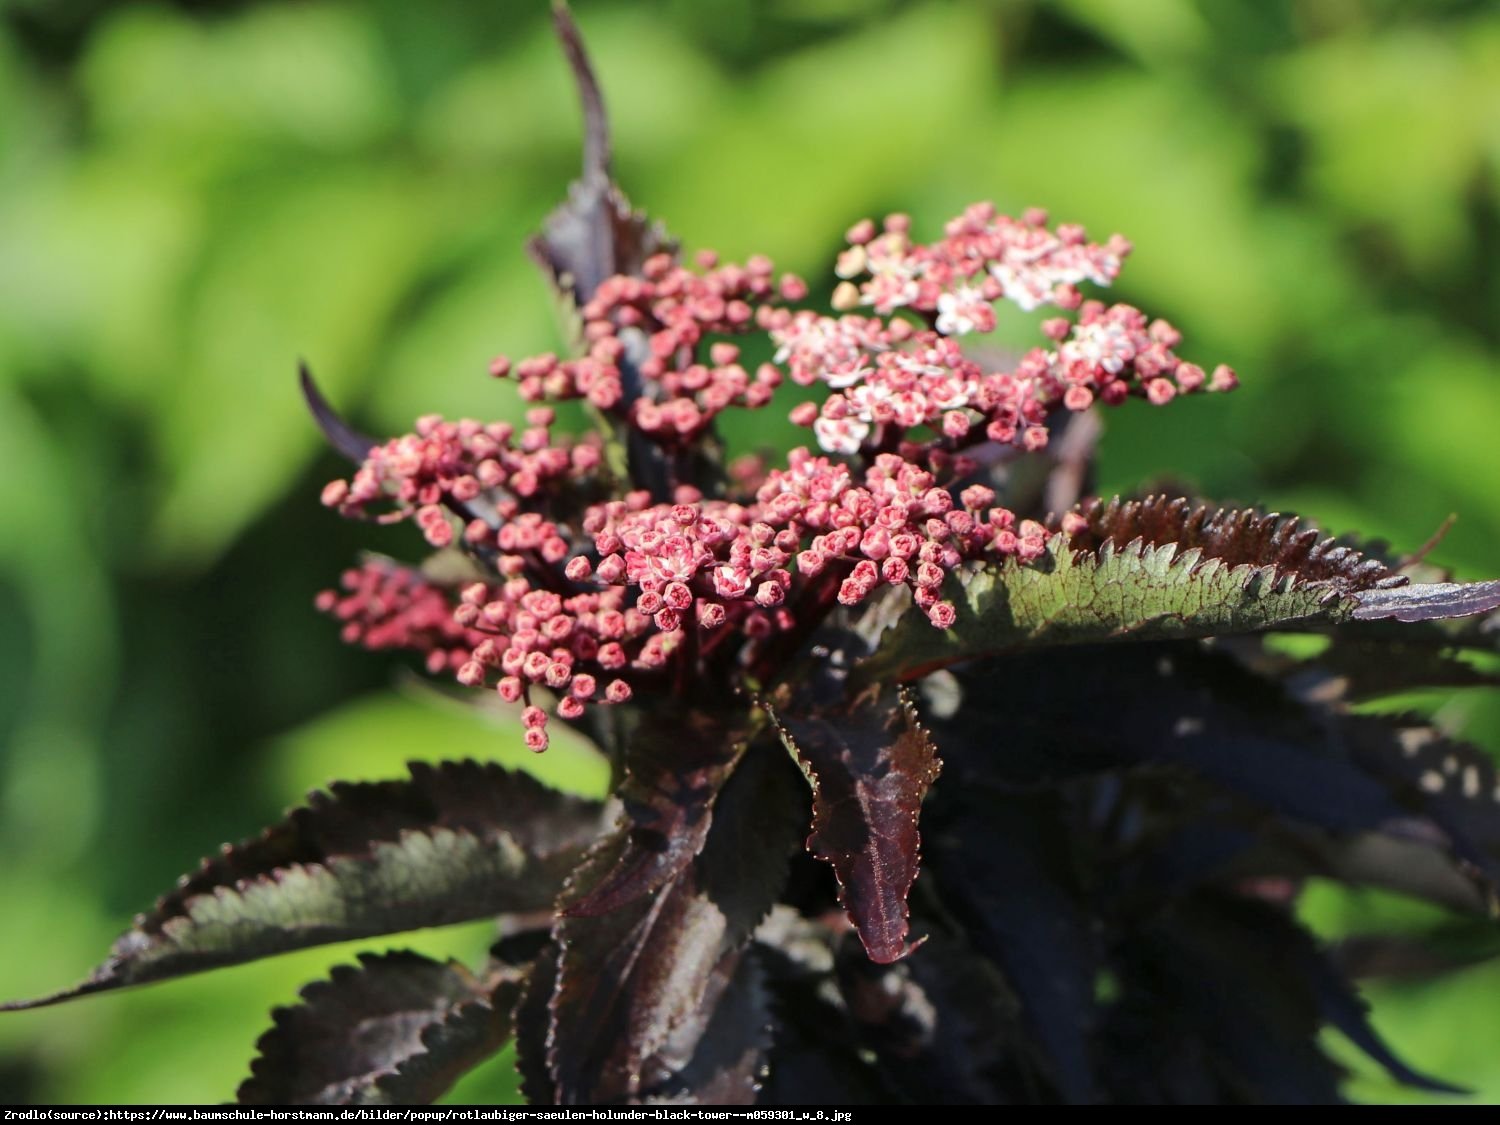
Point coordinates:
pixel 870 763
pixel 1161 569
pixel 533 1022
pixel 634 983
pixel 675 766
pixel 942 1023
pixel 343 437
pixel 718 1057
pixel 454 842
pixel 398 1030
pixel 1005 866
pixel 595 234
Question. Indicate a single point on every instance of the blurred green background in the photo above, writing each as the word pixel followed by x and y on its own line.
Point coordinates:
pixel 193 195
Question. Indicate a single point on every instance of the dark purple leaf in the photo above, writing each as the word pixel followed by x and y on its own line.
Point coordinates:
pixel 343 437
pixel 1087 710
pixel 718 1057
pixel 814 1057
pixel 760 822
pixel 399 1029
pixel 675 766
pixel 1005 866
pixel 1419 956
pixel 533 1022
pixel 1452 784
pixel 638 981
pixel 627 981
pixel 454 842
pixel 1358 667
pixel 1081 711
pixel 1255 990
pixel 870 763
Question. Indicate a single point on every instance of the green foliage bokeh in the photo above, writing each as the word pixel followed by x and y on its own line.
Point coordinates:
pixel 194 195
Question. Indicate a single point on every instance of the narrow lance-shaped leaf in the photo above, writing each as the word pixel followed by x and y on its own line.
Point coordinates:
pixel 635 986
pixel 1255 989
pixel 399 1029
pixel 870 763
pixel 343 437
pixel 1162 569
pixel 626 981
pixel 454 842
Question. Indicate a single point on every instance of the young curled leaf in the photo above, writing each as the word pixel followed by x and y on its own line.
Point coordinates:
pixel 398 1030
pixel 454 842
pixel 870 763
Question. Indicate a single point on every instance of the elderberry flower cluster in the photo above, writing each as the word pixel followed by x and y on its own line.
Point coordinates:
pixel 892 375
pixel 595 593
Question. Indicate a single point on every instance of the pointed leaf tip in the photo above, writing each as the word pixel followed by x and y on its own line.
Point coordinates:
pixel 343 437
pixel 596 143
pixel 1433 601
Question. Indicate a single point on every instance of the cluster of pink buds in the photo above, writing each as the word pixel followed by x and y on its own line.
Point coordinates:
pixel 527 638
pixel 386 606
pixel 655 324
pixel 897 528
pixel 591 603
pixel 461 467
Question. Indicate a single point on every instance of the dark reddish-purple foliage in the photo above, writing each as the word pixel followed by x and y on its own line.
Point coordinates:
pixel 785 902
